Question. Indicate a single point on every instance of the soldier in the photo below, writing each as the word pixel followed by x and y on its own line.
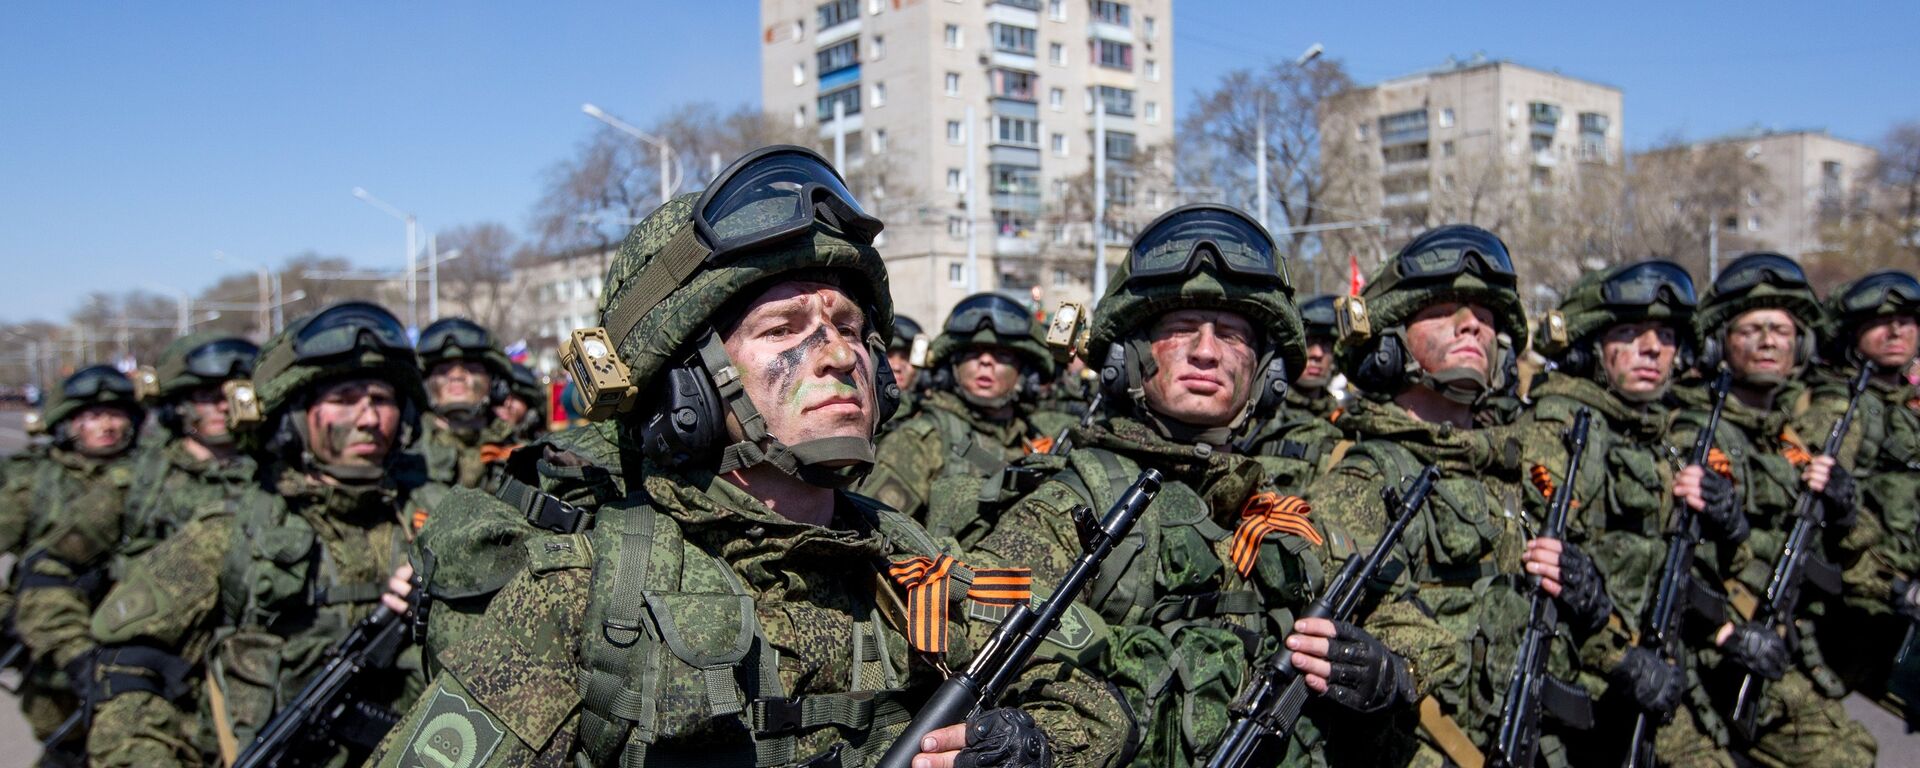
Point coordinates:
pixel 467 375
pixel 1427 348
pixel 735 608
pixel 906 333
pixel 262 586
pixel 1873 319
pixel 525 406
pixel 1618 341
pixel 985 370
pixel 1759 318
pixel 200 462
pixel 1197 333
pixel 1304 432
pixel 64 517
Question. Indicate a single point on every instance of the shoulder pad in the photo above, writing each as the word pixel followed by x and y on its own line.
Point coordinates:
pixel 559 551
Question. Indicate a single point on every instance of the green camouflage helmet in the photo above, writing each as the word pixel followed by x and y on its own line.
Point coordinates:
pixel 93 385
pixel 1762 280
pixel 203 359
pixel 1454 263
pixel 457 338
pixel 1883 293
pixel 1628 293
pixel 345 341
pixel 1316 315
pixel 996 320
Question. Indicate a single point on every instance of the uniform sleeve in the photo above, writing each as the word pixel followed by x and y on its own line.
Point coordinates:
pixel 140 730
pixel 906 462
pixel 1038 533
pixel 168 595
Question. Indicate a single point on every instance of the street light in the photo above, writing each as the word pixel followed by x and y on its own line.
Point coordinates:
pixel 413 247
pixel 667 185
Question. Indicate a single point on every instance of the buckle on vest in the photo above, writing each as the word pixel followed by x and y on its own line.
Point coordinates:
pixel 777 715
pixel 554 515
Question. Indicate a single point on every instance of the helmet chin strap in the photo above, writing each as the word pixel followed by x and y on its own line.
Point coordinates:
pixel 1463 385
pixel 828 462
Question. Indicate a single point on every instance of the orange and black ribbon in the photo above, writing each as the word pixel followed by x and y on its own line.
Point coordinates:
pixel 928 584
pixel 1795 453
pixel 1334 418
pixel 419 518
pixel 1041 444
pixel 1265 514
pixel 1543 480
pixel 494 453
pixel 1002 587
pixel 1719 463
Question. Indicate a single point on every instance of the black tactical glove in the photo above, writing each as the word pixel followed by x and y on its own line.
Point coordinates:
pixel 1582 592
pixel 80 673
pixel 1004 738
pixel 1755 647
pixel 1722 520
pixel 1837 499
pixel 1366 676
pixel 1650 681
pixel 1906 599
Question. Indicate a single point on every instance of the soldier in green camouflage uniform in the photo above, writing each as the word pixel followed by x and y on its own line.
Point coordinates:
pixel 467 375
pixel 736 607
pixel 1618 341
pixel 262 586
pixel 1197 332
pixel 525 406
pixel 984 372
pixel 1304 432
pixel 201 463
pixel 1760 318
pixel 1426 344
pixel 1873 318
pixel 64 519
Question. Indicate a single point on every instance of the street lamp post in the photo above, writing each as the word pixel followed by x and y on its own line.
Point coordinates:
pixel 271 317
pixel 413 249
pixel 1260 136
pixel 666 152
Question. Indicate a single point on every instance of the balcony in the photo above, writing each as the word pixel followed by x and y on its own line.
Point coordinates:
pixel 1016 245
pixel 1544 158
pixel 839 78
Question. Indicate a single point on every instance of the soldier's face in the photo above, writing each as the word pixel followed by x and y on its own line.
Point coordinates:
pixel 100 429
pixel 1318 371
pixel 987 372
pixel 511 410
pixel 903 371
pixel 1760 344
pixel 1638 357
pixel 208 406
pixel 1889 341
pixel 353 422
pixel 1452 335
pixel 1203 366
pixel 803 362
pixel 458 382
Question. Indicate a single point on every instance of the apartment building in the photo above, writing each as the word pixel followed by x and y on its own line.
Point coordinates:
pixel 896 81
pixel 1812 178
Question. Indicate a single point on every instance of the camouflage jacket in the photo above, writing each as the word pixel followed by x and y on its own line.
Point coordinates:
pixel 1463 549
pixel 746 615
pixel 947 438
pixel 465 460
pixel 169 486
pixel 1297 444
pixel 260 587
pixel 74 511
pixel 1186 624
pixel 1883 452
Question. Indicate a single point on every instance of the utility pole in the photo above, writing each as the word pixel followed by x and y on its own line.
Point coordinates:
pixel 840 135
pixel 1099 196
pixel 1260 161
pixel 1713 249
pixel 433 276
pixel 973 211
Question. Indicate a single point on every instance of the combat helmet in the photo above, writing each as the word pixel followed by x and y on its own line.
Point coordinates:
pixel 998 320
pixel 197 361
pixel 778 213
pixel 349 340
pixel 1317 316
pixel 1629 293
pixel 1453 263
pixel 87 387
pixel 1199 256
pixel 1759 280
pixel 457 338
pixel 1851 305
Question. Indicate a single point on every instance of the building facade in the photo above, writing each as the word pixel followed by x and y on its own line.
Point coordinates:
pixel 1812 180
pixel 897 81
pixel 562 293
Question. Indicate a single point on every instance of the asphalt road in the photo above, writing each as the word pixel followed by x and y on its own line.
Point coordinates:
pixel 18 748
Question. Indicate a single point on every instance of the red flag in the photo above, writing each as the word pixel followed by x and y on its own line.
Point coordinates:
pixel 1355 282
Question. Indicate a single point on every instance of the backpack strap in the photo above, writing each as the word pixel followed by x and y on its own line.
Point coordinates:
pixel 612 712
pixel 962 445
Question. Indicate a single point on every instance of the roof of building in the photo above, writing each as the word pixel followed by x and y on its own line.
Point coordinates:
pixel 1479 60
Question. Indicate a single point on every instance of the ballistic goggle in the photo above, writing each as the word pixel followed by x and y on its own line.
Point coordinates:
pixel 222 359
pixel 1751 270
pixel 453 333
pixel 91 382
pixel 1179 241
pixel 1876 290
pixel 989 310
pixel 342 328
pixel 775 193
pixel 1648 283
pixel 1451 251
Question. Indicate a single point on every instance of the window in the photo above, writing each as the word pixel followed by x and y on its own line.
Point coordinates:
pixel 847 98
pixel 1753 223
pixel 1446 117
pixel 1013 223
pixel 1059 277
pixel 799 74
pixel 1118 101
pixel 953 83
pixel 1593 137
pixel 1147 27
pixel 1403 127
pixel 1016 180
pixel 1057 10
pixel 952 36
pixel 955 181
pixel 879 94
pixel 1120 145
pixel 1016 130
pixel 953 132
pixel 838 11
pixel 879 46
pixel 1153 70
pixel 797 31
pixel 1153 199
pixel 1446 181
pixel 1112 13
pixel 1011 39
pixel 1057 54
pixel 1360 132
pixel 1120 188
pixel 1059 144
pixel 1057 99
pixel 879 146
pixel 956 273
pixel 1112 55
pixel 1831 179
pixel 874 6
pixel 1543 116
pixel 842 56
pixel 1009 84
pixel 1446 149
pixel 799 117
pixel 1153 111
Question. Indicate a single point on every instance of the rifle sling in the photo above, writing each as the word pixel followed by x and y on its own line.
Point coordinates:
pixel 222 726
pixel 1447 735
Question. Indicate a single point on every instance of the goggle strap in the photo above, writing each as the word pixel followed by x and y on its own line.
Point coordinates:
pixel 726 382
pixel 682 255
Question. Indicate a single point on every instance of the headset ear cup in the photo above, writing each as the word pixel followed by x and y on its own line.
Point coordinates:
pixel 688 423
pixel 1273 388
pixel 1113 373
pixel 498 391
pixel 172 417
pixel 1381 366
pixel 1579 358
pixel 1712 350
pixel 886 390
pixel 1804 342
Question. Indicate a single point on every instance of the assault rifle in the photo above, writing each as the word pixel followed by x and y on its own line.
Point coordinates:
pixel 1270 706
pixel 1518 740
pixel 325 714
pixel 1796 563
pixel 1019 635
pixel 1063 442
pixel 1676 576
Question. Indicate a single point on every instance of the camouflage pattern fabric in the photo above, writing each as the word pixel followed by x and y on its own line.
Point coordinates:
pixel 948 438
pixel 465 460
pixel 1297 444
pixel 170 486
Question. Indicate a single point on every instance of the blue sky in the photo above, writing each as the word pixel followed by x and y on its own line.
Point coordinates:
pixel 140 137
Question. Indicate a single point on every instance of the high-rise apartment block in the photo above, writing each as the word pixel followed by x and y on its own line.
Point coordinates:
pixel 896 82
pixel 1812 180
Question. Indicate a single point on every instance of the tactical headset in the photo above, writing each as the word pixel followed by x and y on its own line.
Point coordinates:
pixel 1382 363
pixel 1746 273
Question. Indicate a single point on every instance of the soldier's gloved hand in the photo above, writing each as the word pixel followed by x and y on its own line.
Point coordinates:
pixel 1349 666
pixel 997 738
pixel 1569 575
pixel 1906 599
pixel 1836 488
pixel 1754 646
pixel 80 673
pixel 1652 683
pixel 1720 514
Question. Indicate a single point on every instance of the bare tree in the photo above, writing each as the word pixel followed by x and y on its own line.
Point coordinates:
pixel 479 284
pixel 1879 223
pixel 1678 191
